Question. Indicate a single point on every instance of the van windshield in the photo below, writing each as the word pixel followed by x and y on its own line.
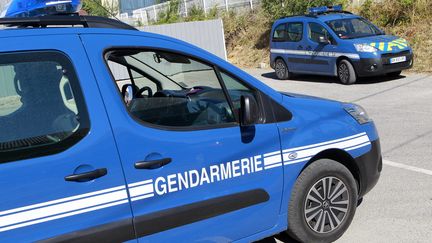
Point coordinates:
pixel 353 28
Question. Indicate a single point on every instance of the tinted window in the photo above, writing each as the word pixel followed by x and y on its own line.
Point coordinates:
pixel 280 33
pixel 353 28
pixel 295 32
pixel 188 93
pixel 316 31
pixel 41 107
pixel 236 89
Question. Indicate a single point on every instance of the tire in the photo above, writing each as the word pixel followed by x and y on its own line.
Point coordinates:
pixel 303 198
pixel 281 69
pixel 394 74
pixel 346 72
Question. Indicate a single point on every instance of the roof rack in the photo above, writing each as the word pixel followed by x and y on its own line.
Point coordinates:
pixel 327 10
pixel 65 20
pixel 299 15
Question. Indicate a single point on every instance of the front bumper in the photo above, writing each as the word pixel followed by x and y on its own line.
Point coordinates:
pixel 370 166
pixel 366 67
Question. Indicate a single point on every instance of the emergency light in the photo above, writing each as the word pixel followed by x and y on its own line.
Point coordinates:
pixel 31 8
pixel 325 9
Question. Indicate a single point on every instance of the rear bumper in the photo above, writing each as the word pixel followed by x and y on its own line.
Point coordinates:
pixel 370 166
pixel 366 67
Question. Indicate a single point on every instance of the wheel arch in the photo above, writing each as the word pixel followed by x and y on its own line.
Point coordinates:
pixel 340 58
pixel 342 157
pixel 274 59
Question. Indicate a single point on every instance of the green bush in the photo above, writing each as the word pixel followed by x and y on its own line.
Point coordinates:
pixel 280 8
pixel 195 13
pixel 171 15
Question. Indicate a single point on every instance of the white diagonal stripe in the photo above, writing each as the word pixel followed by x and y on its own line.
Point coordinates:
pixel 315 53
pixel 62 208
pixel 61 200
pixel 273 159
pixel 272 166
pixel 324 143
pixel 142 197
pixel 64 215
pixel 140 190
pixel 358 146
pixel 315 150
pixel 272 153
pixel 139 183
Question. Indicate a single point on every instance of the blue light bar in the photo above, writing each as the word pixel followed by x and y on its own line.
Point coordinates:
pixel 325 9
pixel 30 8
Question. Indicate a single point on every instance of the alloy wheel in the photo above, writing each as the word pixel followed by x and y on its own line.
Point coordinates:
pixel 344 72
pixel 280 69
pixel 326 205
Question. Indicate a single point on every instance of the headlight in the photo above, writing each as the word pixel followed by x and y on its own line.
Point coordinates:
pixel 357 112
pixel 365 48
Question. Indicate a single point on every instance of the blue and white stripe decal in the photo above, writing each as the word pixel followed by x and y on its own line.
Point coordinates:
pixel 315 53
pixel 61 208
pixel 79 204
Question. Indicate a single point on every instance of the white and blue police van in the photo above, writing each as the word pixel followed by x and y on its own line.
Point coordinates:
pixel 333 42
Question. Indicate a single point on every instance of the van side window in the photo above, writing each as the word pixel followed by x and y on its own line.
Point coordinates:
pixel 41 106
pixel 315 31
pixel 187 94
pixel 280 33
pixel 295 32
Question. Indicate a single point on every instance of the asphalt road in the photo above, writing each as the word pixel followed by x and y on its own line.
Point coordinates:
pixel 399 208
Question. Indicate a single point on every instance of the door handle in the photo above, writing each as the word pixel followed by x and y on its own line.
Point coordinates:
pixel 300 47
pixel 152 164
pixel 308 48
pixel 87 176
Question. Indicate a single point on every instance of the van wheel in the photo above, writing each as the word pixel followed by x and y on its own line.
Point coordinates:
pixel 281 70
pixel 323 202
pixel 346 72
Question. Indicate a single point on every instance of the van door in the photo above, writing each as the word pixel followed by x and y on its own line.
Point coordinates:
pixel 295 48
pixel 193 173
pixel 321 56
pixel 286 43
pixel 60 173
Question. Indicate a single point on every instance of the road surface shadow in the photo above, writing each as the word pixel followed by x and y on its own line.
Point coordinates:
pixel 278 238
pixel 328 79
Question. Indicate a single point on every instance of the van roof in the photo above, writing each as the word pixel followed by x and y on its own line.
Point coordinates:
pixel 321 17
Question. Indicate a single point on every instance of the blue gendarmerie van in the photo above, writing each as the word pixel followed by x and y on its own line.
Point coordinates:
pixel 332 42
pixel 109 134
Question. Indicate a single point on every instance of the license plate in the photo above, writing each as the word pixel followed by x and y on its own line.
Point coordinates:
pixel 61 7
pixel 397 59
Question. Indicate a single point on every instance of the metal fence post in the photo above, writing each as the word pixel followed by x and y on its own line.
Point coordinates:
pixel 251 4
pixel 155 13
pixel 204 7
pixel 185 6
pixel 226 5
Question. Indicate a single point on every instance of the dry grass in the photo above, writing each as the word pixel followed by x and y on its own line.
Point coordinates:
pixel 247 38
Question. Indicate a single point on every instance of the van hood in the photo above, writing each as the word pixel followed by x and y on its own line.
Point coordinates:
pixel 295 95
pixel 384 43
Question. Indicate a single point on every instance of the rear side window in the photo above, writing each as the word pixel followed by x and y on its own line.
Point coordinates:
pixel 42 110
pixel 280 33
pixel 295 31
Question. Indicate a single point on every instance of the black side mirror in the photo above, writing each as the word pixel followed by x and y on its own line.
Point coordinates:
pixel 324 40
pixel 249 112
